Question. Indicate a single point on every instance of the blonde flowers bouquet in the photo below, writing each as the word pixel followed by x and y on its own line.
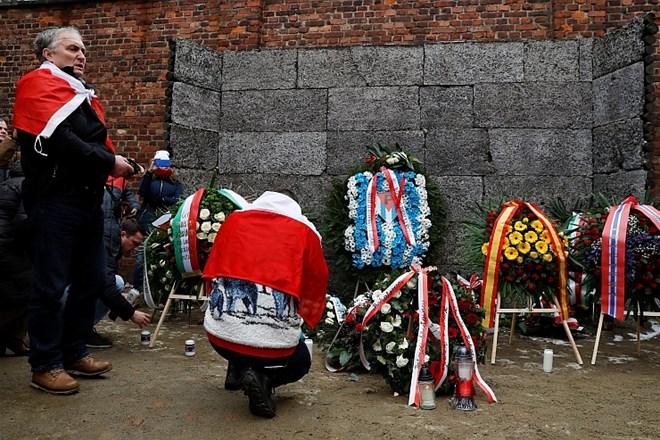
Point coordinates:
pixel 521 252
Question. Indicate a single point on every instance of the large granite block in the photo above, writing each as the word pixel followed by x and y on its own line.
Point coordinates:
pixel 619 95
pixel 193 148
pixel 446 107
pixel 347 149
pixel 312 192
pixel 541 151
pixel 283 153
pixel 462 152
pixel 533 105
pixel 472 63
pixel 618 146
pixel 360 66
pixel 461 194
pixel 274 110
pixel 552 60
pixel 449 257
pixel 373 108
pixel 537 189
pixel 586 59
pixel 198 65
pixel 259 70
pixel 195 107
pixel 619 48
pixel 622 184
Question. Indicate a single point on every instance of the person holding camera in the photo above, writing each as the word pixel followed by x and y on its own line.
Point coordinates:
pixel 66 156
pixel 160 188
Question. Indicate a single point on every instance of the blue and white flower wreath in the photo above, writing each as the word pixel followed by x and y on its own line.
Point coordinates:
pixel 390 218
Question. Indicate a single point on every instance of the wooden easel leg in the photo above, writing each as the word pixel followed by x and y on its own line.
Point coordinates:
pixel 496 332
pixel 163 315
pixel 600 329
pixel 513 327
pixel 569 334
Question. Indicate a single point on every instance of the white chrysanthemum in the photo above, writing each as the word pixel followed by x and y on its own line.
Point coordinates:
pixel 401 361
pixel 204 213
pixel 386 327
pixel 412 284
pixel 390 347
pixel 201 235
pixel 385 309
pixel 220 216
pixel 211 237
pixel 330 315
pixel 404 344
pixel 377 295
pixel 215 227
pixel 162 263
pixel 329 321
pixel 329 305
pixel 206 227
pixel 397 321
pixel 376 346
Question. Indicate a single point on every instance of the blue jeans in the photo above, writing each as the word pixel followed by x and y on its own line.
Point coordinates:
pixel 66 249
pixel 281 371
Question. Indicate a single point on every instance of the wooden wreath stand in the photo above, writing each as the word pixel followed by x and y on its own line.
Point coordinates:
pixel 531 310
pixel 201 296
pixel 600 329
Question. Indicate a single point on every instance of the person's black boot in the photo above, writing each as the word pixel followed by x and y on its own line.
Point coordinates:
pixel 233 379
pixel 257 387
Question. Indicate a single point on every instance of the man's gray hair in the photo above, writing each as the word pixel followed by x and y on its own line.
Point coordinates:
pixel 49 39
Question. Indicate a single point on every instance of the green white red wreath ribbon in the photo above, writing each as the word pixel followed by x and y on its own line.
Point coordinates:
pixel 184 235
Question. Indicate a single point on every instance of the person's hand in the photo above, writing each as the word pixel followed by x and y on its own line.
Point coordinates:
pixel 141 319
pixel 152 165
pixel 132 213
pixel 121 168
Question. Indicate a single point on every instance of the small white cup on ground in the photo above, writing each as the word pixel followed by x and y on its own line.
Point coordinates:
pixel 547 360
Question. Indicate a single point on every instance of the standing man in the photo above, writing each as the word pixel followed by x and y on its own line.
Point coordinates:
pixel 66 157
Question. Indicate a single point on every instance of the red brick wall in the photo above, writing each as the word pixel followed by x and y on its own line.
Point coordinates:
pixel 128 41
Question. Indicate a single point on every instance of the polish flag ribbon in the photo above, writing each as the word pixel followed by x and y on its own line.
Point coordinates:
pixel 396 189
pixel 449 302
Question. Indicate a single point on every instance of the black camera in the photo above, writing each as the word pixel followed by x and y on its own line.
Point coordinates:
pixel 136 166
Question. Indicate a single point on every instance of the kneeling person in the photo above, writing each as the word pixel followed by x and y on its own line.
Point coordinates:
pixel 268 275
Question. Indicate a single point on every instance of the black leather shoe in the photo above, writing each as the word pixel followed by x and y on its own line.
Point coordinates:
pixel 256 386
pixel 233 379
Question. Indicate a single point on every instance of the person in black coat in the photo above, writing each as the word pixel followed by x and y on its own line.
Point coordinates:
pixel 15 267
